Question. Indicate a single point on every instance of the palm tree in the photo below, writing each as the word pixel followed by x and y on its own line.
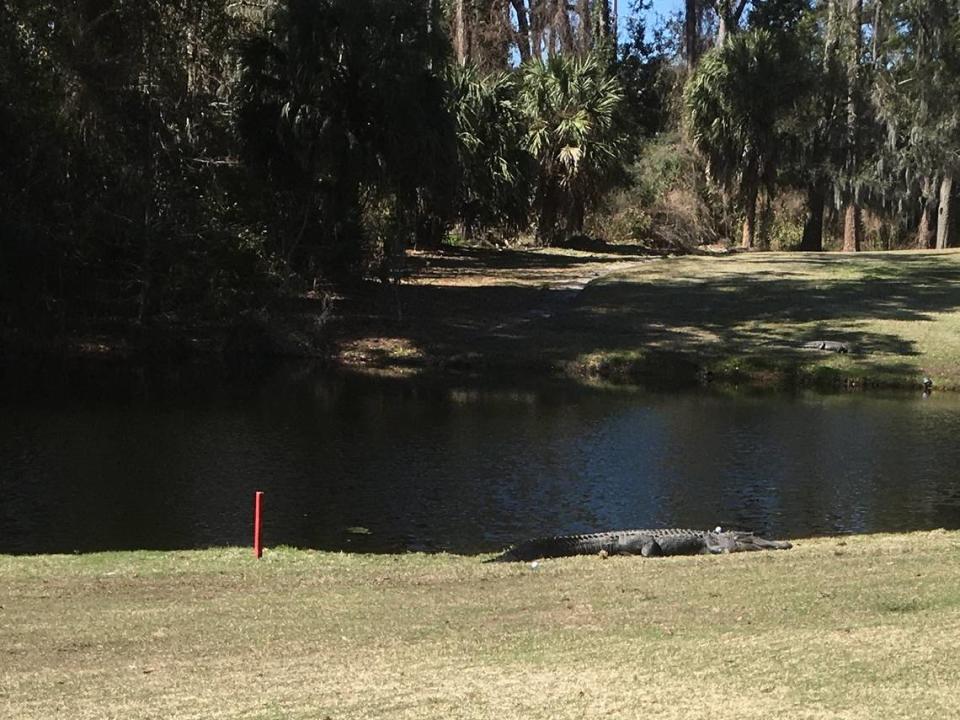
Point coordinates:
pixel 734 103
pixel 340 101
pixel 814 133
pixel 494 166
pixel 570 106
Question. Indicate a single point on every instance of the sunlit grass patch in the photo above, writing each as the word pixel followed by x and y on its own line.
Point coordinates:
pixel 746 318
pixel 854 627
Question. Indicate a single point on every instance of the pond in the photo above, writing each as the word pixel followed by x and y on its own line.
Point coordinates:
pixel 117 460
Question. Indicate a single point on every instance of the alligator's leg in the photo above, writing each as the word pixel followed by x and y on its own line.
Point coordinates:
pixel 722 542
pixel 644 545
pixel 652 549
pixel 662 545
pixel 692 544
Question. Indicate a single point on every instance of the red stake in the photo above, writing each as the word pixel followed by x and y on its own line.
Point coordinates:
pixel 257 524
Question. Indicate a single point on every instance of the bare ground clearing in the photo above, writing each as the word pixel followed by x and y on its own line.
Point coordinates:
pixel 742 318
pixel 468 308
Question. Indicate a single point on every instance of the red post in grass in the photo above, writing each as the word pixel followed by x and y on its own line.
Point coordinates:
pixel 258 524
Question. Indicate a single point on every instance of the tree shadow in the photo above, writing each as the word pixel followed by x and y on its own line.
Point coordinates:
pixel 468 260
pixel 771 308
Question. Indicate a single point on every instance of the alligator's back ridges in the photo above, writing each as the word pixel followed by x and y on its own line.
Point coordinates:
pixel 645 542
pixel 616 542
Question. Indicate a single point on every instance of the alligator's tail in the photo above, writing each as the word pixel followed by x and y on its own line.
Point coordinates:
pixel 771 544
pixel 538 548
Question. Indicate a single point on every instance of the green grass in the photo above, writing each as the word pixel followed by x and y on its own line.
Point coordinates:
pixel 743 318
pixel 863 627
pixel 739 319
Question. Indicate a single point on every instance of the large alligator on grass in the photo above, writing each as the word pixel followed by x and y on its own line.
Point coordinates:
pixel 647 543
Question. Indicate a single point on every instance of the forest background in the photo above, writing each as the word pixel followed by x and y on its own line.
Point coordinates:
pixel 186 162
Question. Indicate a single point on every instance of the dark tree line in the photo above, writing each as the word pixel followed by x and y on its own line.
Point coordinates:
pixel 164 158
pixel 190 157
pixel 117 185
pixel 851 102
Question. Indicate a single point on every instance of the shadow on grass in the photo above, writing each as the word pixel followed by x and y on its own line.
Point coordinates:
pixel 758 305
pixel 752 310
pixel 487 259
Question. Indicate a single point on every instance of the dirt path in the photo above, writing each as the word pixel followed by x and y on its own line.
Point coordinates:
pixel 561 293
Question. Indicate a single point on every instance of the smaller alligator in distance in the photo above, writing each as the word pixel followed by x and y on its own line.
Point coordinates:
pixel 827 345
pixel 647 543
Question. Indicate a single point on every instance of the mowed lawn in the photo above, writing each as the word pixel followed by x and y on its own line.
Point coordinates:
pixel 747 317
pixel 859 627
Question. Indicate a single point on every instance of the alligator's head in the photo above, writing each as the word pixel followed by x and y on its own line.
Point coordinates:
pixel 728 542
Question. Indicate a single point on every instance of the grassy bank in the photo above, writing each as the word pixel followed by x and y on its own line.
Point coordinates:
pixel 864 627
pixel 617 314
pixel 741 318
pixel 747 317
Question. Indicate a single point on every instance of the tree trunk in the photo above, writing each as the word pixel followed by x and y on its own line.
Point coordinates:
pixel 146 229
pixel 194 64
pixel 855 18
pixel 765 224
pixel 750 222
pixel 721 30
pixel 851 227
pixel 943 213
pixel 604 19
pixel 584 31
pixel 546 203
pixel 460 32
pixel 537 28
pixel 729 13
pixel 832 39
pixel 690 33
pixel 146 262
pixel 813 227
pixel 564 30
pixel 926 231
pixel 576 217
pixel 851 222
pixel 523 30
pixel 879 34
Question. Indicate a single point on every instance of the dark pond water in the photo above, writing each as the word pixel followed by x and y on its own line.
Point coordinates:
pixel 365 465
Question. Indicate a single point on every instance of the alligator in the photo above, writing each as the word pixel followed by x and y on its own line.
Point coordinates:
pixel 648 543
pixel 827 345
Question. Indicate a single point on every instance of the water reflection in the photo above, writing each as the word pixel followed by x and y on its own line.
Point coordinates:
pixel 464 468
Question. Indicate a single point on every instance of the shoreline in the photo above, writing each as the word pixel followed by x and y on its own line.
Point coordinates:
pixel 280 552
pixel 731 320
pixel 852 626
